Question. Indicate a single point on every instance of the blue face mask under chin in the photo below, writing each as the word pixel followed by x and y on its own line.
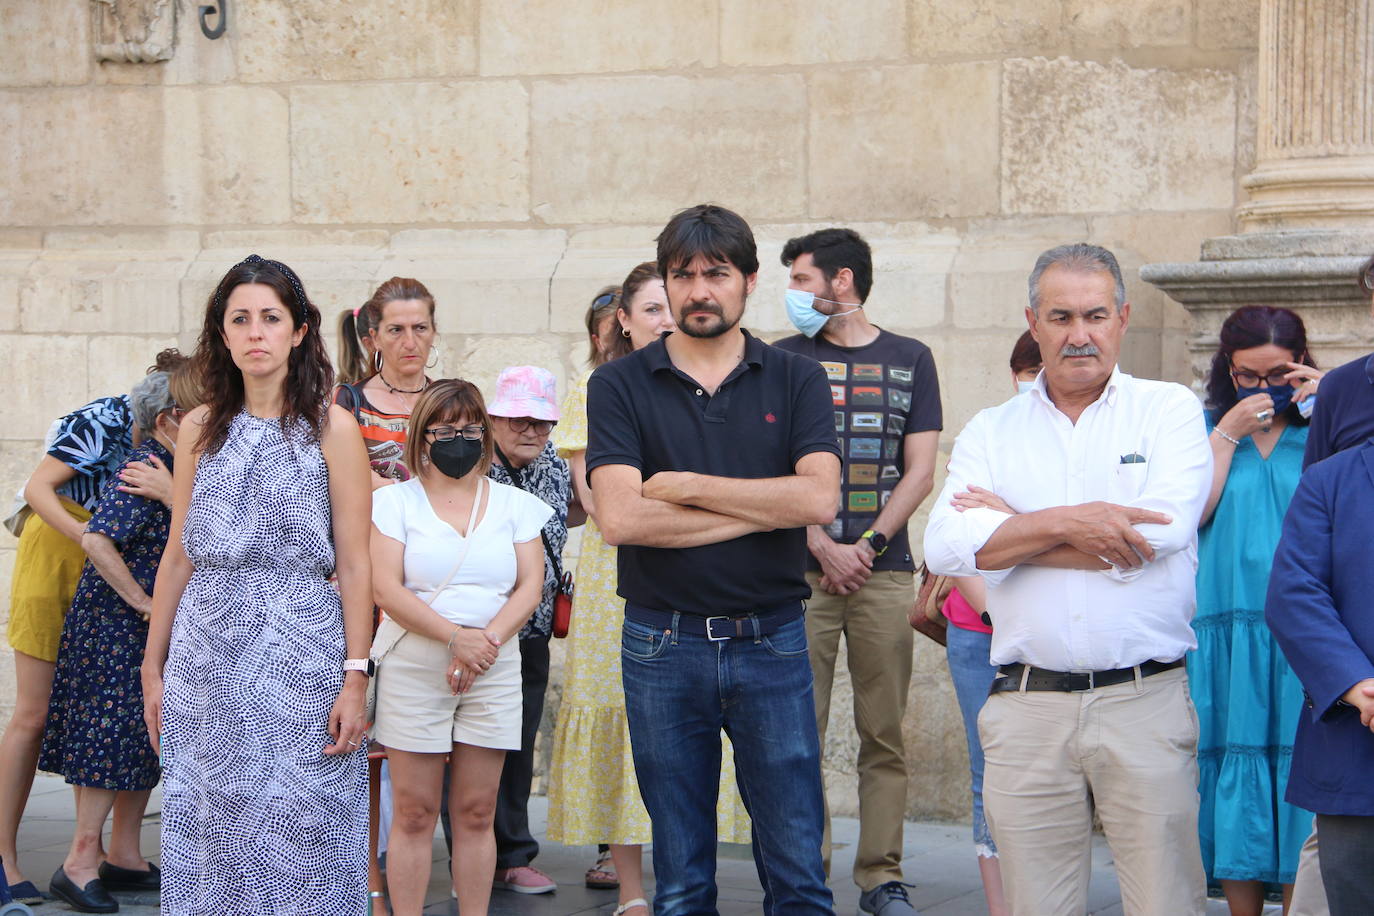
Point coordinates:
pixel 1282 395
pixel 803 315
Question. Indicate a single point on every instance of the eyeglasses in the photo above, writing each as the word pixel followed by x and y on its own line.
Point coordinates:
pixel 1367 275
pixel 540 427
pixel 1247 379
pixel 448 433
pixel 605 300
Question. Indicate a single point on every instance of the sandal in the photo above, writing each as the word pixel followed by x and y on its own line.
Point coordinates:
pixel 630 905
pixel 602 876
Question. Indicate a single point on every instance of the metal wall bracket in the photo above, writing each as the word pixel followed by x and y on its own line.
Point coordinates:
pixel 222 8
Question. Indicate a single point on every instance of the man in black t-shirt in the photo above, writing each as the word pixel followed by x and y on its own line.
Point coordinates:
pixel 886 403
pixel 709 452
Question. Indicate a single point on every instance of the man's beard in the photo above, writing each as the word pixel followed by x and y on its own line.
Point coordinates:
pixel 711 329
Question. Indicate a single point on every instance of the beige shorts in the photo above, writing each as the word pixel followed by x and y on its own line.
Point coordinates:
pixel 418 712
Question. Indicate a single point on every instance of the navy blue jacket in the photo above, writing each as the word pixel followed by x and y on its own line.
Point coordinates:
pixel 1344 415
pixel 1320 607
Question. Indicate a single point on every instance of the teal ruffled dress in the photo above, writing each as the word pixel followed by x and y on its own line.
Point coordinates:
pixel 1248 700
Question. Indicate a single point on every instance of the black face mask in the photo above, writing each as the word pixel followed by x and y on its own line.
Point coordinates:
pixel 457 456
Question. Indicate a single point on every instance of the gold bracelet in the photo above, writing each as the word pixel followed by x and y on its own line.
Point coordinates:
pixel 1222 433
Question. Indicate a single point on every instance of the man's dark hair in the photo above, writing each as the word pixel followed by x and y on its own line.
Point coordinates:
pixel 831 250
pixel 710 230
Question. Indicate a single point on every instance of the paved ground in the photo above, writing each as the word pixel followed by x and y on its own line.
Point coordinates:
pixel 938 858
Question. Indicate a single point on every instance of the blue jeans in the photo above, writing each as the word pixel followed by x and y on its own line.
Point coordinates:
pixel 972 673
pixel 680 691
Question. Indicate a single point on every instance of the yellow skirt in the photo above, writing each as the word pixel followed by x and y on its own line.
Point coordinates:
pixel 47 567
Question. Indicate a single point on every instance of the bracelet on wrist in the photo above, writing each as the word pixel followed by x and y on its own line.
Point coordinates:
pixel 457 628
pixel 1222 433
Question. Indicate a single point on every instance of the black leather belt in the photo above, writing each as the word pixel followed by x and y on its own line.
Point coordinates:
pixel 1009 677
pixel 722 627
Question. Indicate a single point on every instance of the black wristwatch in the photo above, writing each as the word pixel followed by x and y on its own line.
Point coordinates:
pixel 877 540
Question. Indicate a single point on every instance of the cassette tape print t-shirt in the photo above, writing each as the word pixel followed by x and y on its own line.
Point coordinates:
pixel 881 393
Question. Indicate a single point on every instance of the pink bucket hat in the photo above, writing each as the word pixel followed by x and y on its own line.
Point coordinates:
pixel 525 391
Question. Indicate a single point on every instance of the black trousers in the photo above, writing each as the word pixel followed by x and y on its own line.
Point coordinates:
pixel 1346 844
pixel 515 845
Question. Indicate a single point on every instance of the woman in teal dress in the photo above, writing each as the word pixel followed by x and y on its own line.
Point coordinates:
pixel 1248 700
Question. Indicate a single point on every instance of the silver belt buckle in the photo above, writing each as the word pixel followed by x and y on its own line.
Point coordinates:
pixel 711 635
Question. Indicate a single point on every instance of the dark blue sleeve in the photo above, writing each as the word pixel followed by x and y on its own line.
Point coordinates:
pixel 121 516
pixel 612 434
pixel 926 413
pixel 1319 431
pixel 1300 606
pixel 89 437
pixel 813 413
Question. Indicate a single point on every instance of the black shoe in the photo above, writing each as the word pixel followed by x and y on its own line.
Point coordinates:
pixel 93 898
pixel 130 879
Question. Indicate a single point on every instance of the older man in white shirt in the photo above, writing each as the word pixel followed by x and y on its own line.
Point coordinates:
pixel 1078 503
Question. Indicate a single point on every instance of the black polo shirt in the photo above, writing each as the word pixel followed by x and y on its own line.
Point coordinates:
pixel 1344 413
pixel 772 410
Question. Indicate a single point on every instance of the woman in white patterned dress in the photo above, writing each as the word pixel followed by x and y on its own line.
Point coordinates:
pixel 245 690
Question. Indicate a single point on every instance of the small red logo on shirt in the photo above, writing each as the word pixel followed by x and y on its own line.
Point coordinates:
pixel 770 418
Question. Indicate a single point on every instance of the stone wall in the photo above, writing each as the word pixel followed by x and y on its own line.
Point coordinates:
pixel 515 155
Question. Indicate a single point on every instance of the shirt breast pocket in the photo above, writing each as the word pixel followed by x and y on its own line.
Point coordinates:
pixel 1128 480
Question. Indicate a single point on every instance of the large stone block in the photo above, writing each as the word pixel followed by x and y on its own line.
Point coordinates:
pixel 144 156
pixel 483 281
pixel 115 362
pixel 761 33
pixel 1227 23
pixel 410 152
pixel 987 284
pixel 1081 137
pixel 103 291
pixel 594 258
pixel 14 266
pixel 278 41
pixel 939 27
pixel 594 36
pixel 907 142
pixel 46 379
pixel 638 148
pixel 1140 24
pixel 46 43
pixel 228 155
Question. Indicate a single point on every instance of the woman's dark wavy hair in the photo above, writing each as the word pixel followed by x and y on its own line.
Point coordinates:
pixel 309 375
pixel 1254 326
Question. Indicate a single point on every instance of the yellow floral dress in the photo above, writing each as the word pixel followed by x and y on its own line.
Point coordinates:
pixel 593 794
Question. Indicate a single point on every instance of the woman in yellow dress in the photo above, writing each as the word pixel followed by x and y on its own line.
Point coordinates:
pixel 593 795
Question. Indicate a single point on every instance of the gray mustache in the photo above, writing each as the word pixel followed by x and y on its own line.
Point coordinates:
pixel 1085 350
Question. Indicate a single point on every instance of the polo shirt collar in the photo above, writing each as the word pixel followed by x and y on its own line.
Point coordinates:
pixel 656 353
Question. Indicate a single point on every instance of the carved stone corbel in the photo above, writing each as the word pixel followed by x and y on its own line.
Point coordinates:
pixel 134 31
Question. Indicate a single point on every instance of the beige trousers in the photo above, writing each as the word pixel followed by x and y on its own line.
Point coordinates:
pixel 1130 750
pixel 1309 894
pixel 879 643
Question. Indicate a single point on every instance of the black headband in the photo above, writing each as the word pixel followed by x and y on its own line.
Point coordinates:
pixel 288 273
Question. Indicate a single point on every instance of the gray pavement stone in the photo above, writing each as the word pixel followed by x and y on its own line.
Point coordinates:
pixel 938 858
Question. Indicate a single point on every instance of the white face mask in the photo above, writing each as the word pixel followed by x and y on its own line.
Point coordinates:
pixel 1023 386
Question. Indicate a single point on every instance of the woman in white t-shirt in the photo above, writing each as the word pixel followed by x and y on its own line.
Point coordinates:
pixel 458 567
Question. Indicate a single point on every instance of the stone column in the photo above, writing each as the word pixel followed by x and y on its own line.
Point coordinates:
pixel 1309 220
pixel 1315 143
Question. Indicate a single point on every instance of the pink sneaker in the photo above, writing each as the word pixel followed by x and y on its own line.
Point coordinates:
pixel 523 880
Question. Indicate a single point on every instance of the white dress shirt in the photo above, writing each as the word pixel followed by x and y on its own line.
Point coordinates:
pixel 1142 443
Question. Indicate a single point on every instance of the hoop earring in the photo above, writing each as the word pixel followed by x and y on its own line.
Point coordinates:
pixel 434 351
pixel 377 361
pixel 625 332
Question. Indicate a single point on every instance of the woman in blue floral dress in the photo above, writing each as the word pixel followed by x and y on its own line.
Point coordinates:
pixel 82 451
pixel 95 736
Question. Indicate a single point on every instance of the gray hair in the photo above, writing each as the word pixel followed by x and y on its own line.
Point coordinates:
pixel 1080 257
pixel 150 397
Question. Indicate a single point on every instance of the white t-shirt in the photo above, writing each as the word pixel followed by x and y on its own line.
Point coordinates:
pixel 487 577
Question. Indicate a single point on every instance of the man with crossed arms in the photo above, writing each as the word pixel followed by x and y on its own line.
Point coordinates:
pixel 1078 503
